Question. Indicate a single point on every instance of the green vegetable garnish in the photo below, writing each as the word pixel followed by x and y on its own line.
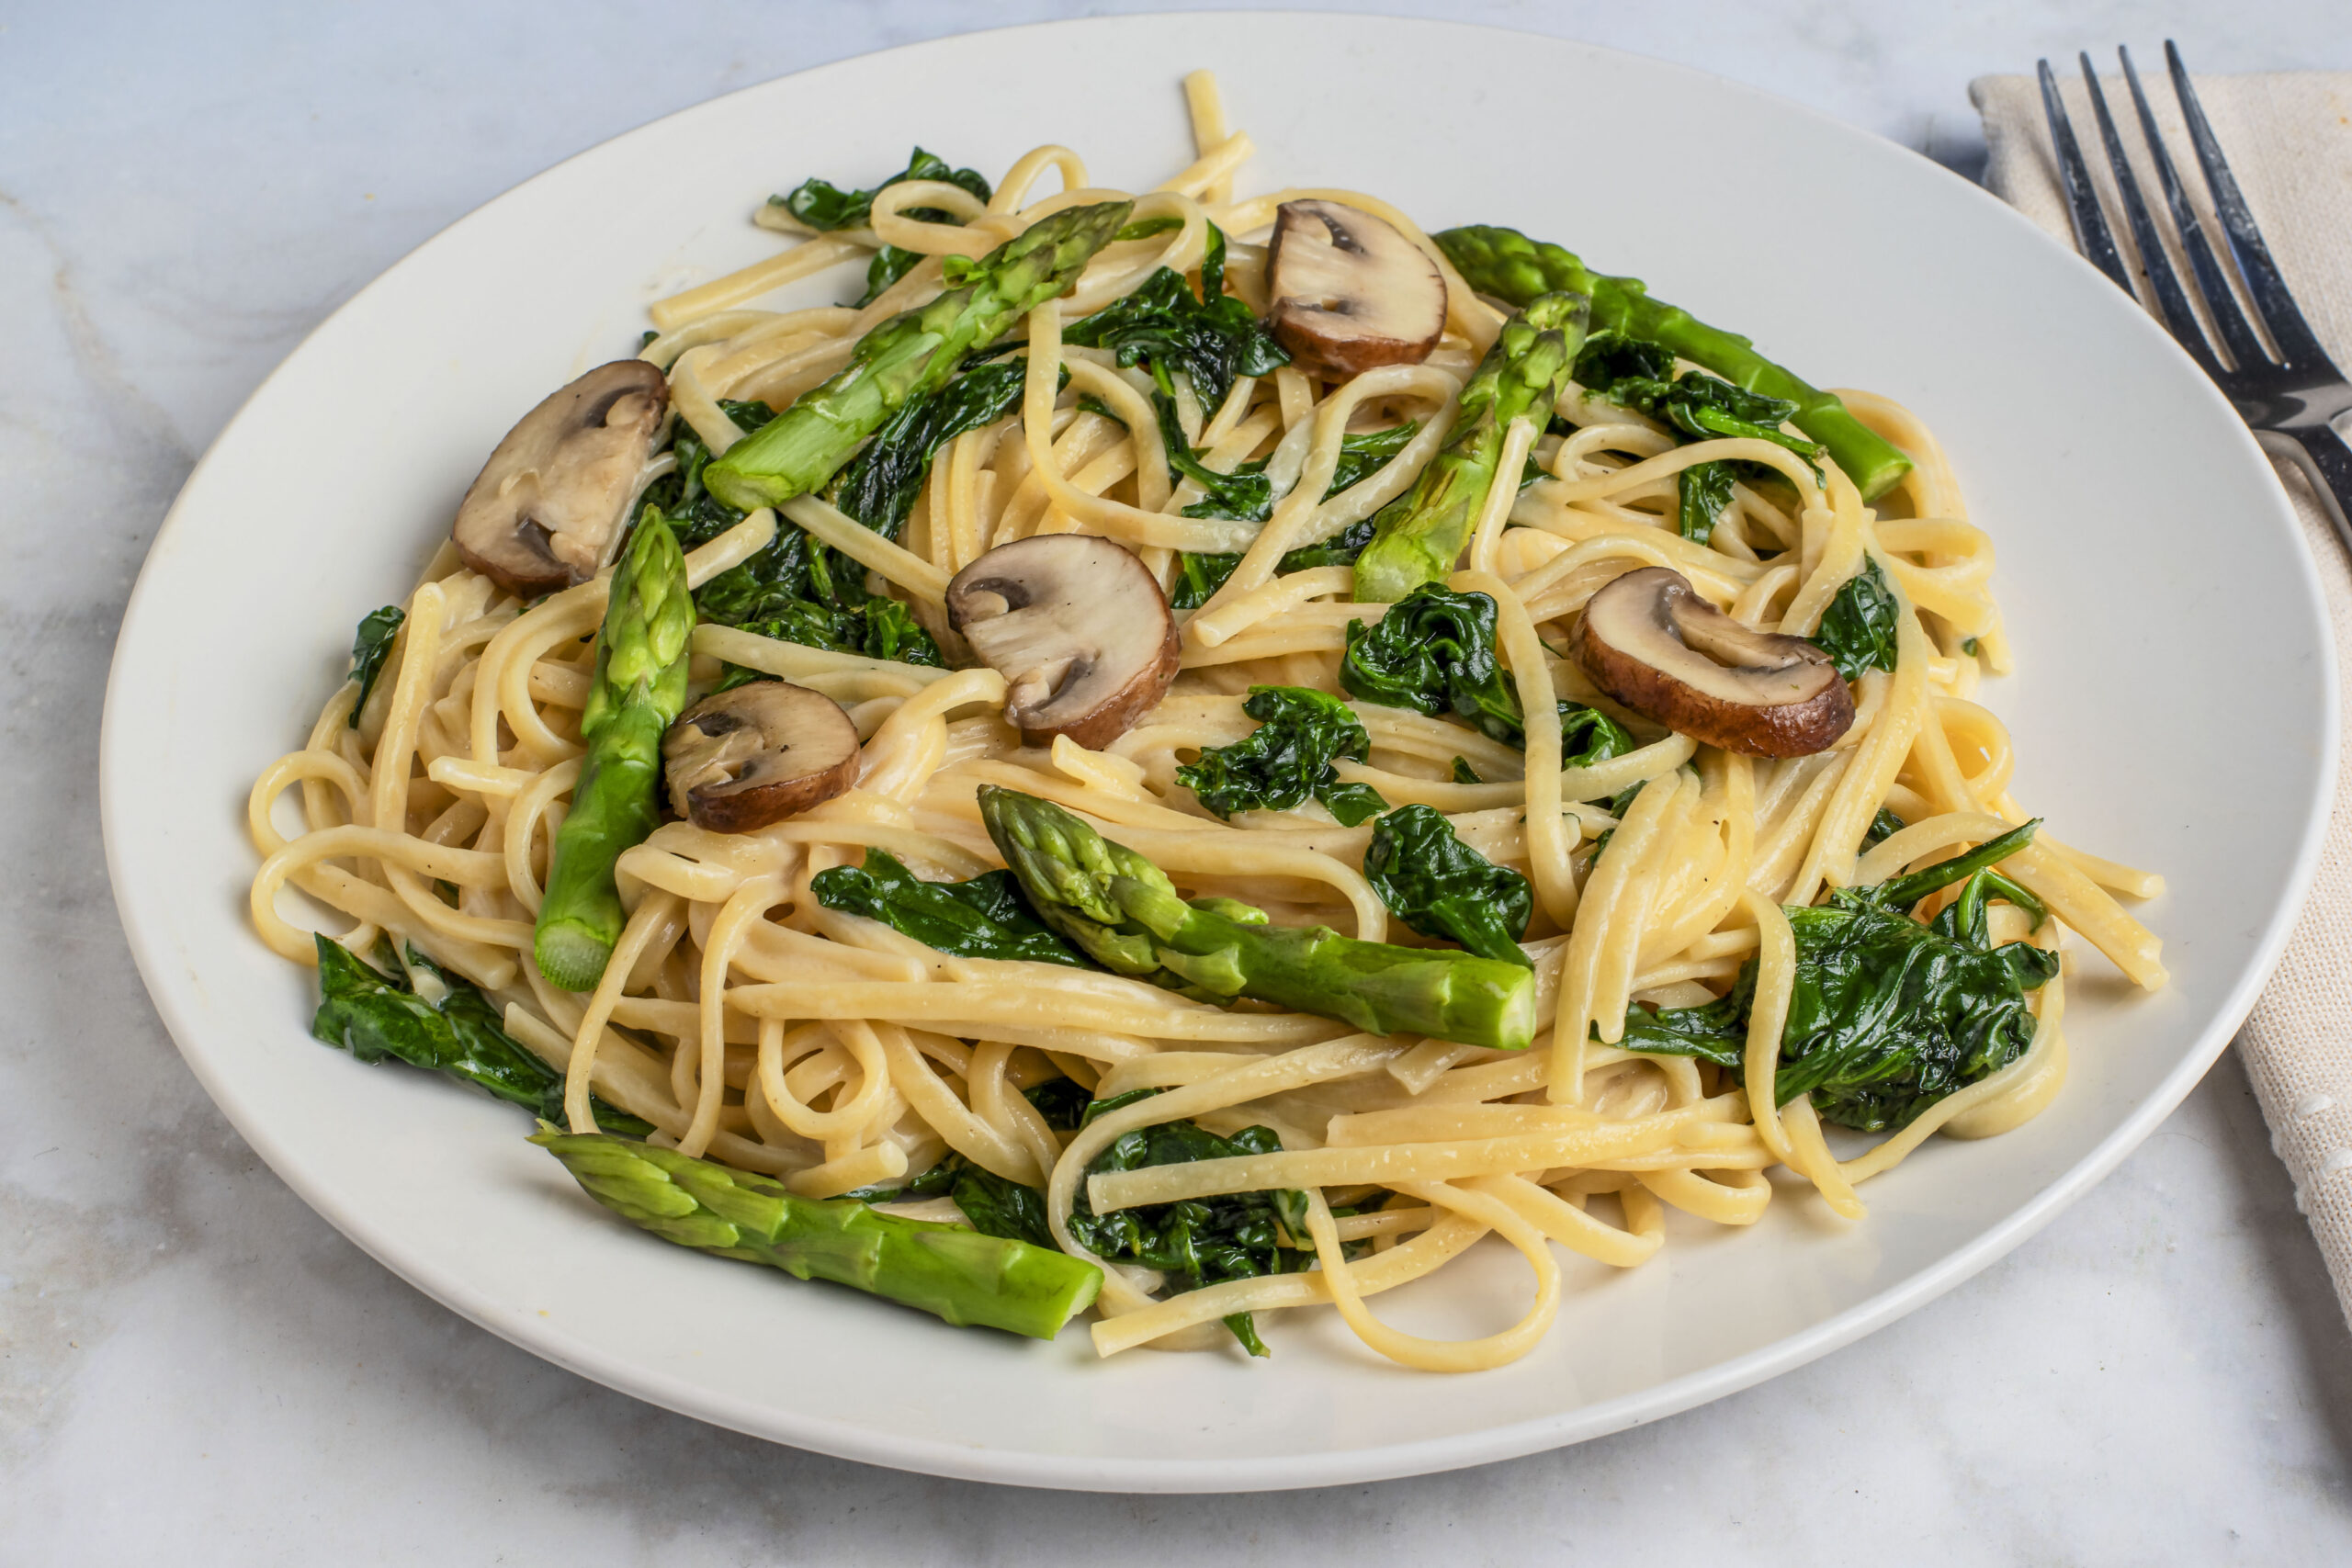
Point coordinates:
pixel 908 357
pixel 1858 630
pixel 1212 338
pixel 639 686
pixel 827 208
pixel 1123 912
pixel 1441 887
pixel 984 917
pixel 1198 576
pixel 1886 1015
pixel 1509 266
pixel 963 1276
pixel 378 1015
pixel 1434 652
pixel 1287 759
pixel 370 646
pixel 1418 537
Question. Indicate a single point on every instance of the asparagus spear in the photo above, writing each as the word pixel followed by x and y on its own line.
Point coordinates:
pixel 1509 266
pixel 1123 913
pixel 947 1271
pixel 1418 536
pixel 911 353
pixel 640 686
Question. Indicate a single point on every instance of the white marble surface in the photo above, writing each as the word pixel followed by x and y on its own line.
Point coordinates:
pixel 194 1364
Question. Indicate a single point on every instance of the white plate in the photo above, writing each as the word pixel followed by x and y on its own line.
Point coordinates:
pixel 2176 710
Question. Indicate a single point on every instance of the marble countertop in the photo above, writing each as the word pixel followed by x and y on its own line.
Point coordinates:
pixel 194 1365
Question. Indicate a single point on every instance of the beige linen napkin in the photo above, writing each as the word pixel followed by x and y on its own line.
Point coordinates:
pixel 2289 140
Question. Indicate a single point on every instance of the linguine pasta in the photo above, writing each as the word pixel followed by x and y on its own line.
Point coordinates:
pixel 751 1024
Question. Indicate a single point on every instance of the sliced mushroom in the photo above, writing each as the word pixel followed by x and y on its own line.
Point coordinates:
pixel 545 509
pixel 739 759
pixel 1650 641
pixel 1350 292
pixel 1079 628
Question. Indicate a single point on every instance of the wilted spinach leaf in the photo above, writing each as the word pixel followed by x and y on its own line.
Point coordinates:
pixel 1886 1015
pixel 1857 630
pixel 984 917
pixel 370 646
pixel 826 208
pixel 795 589
pixel 376 1016
pixel 1212 338
pixel 1286 759
pixel 1702 491
pixel 1202 1241
pixel 1441 887
pixel 879 486
pixel 1434 652
pixel 1198 576
pixel 1639 374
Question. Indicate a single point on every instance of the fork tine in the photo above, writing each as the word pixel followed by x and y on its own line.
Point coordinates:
pixel 2237 335
pixel 2092 236
pixel 2171 299
pixel 2267 289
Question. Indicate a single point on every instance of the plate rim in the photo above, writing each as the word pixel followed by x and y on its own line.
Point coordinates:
pixel 550 1341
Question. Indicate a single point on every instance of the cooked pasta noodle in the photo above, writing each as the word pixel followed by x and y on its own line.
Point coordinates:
pixel 749 1022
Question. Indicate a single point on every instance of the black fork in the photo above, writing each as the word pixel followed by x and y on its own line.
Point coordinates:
pixel 2288 392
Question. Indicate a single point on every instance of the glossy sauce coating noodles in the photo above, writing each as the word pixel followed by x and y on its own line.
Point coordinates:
pixel 750 1024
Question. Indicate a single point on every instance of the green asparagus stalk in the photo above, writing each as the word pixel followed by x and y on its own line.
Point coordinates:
pixel 1418 536
pixel 639 687
pixel 909 355
pixel 1511 267
pixel 947 1271
pixel 1123 912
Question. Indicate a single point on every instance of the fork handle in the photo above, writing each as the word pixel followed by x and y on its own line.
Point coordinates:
pixel 2327 461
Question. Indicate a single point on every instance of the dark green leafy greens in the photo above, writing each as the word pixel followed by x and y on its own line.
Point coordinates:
pixel 1857 630
pixel 1210 337
pixel 1204 1241
pixel 996 1205
pixel 370 646
pixel 879 486
pixel 1463 773
pixel 1886 1015
pixel 378 1015
pixel 826 208
pixel 1198 576
pixel 1434 652
pixel 796 590
pixel 1702 492
pixel 1639 374
pixel 984 917
pixel 1441 887
pixel 1589 736
pixel 1061 1101
pixel 1883 825
pixel 1246 493
pixel 1196 1242
pixel 1287 759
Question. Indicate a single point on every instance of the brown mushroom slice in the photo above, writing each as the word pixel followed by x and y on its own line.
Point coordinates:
pixel 1079 628
pixel 547 509
pixel 739 759
pixel 1650 641
pixel 1350 293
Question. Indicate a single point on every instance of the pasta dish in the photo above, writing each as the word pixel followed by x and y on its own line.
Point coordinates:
pixel 1191 754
